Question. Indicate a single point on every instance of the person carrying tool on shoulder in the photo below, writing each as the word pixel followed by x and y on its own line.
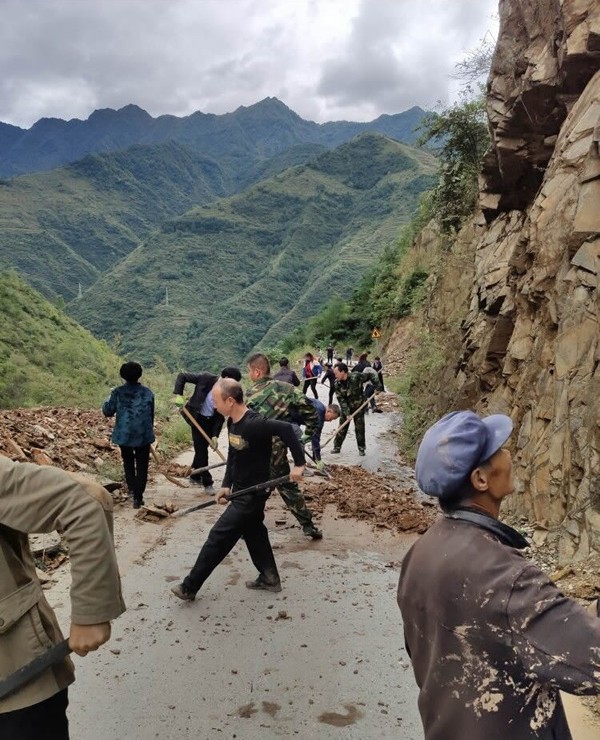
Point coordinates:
pixel 350 394
pixel 43 499
pixel 276 400
pixel 248 464
pixel 202 409
pixel 491 639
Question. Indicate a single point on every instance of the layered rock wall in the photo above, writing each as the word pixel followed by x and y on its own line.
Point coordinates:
pixel 531 334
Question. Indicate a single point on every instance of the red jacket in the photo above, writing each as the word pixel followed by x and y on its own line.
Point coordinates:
pixel 491 638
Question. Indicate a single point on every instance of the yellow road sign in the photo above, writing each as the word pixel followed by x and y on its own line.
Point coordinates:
pixel 375 334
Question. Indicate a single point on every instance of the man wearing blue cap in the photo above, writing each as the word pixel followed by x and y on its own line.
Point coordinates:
pixel 491 639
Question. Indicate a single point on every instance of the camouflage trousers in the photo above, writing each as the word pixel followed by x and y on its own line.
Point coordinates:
pixel 359 430
pixel 289 492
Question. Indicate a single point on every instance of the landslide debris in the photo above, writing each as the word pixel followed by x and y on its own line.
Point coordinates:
pixel 377 499
pixel 70 438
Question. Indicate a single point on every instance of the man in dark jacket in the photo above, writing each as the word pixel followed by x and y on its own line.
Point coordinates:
pixel 285 374
pixel 491 639
pixel 202 408
pixel 248 464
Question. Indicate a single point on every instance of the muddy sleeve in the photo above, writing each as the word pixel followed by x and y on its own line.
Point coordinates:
pixel 556 639
pixel 37 498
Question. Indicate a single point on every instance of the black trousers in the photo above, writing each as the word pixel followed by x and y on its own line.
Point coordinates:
pixel 46 720
pixel 312 384
pixel 135 464
pixel 201 448
pixel 331 392
pixel 243 516
pixel 369 392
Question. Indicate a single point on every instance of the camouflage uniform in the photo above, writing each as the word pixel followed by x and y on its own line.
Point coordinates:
pixel 349 394
pixel 275 399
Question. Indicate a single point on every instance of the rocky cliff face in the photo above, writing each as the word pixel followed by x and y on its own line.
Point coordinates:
pixel 531 334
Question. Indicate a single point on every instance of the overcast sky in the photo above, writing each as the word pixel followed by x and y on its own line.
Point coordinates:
pixel 326 59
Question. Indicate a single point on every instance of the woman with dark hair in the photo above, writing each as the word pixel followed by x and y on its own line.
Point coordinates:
pixel 133 405
pixel 310 374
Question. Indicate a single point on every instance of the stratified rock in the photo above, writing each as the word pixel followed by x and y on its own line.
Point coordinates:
pixel 546 54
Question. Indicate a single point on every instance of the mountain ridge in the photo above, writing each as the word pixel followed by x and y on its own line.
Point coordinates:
pixel 252 265
pixel 263 129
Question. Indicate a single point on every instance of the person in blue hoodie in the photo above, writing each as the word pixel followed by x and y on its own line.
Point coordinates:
pixel 133 405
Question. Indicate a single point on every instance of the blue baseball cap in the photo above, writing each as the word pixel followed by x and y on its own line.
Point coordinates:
pixel 454 446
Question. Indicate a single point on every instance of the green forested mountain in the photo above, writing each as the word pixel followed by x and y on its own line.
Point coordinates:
pixel 241 138
pixel 45 356
pixel 67 226
pixel 246 269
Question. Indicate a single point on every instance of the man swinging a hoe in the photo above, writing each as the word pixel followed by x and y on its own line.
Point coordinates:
pixel 248 464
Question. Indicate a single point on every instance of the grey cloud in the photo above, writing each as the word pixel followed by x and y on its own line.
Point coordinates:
pixel 66 57
pixel 401 53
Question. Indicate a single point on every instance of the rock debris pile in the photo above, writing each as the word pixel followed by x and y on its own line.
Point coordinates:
pixel 74 439
pixel 375 498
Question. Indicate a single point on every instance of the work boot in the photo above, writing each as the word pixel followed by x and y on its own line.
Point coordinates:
pixel 361 451
pixel 261 585
pixel 309 530
pixel 181 593
pixel 336 451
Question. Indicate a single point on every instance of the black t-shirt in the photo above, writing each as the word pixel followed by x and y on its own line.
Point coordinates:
pixel 250 443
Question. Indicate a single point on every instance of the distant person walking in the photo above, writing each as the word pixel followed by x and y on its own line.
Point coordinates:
pixel 330 353
pixel 286 374
pixel 248 464
pixel 378 367
pixel 310 375
pixel 133 405
pixel 202 408
pixel 331 378
pixel 349 353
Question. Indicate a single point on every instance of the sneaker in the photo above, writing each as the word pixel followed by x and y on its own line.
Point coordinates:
pixel 181 593
pixel 261 585
pixel 361 451
pixel 309 530
pixel 209 489
pixel 336 451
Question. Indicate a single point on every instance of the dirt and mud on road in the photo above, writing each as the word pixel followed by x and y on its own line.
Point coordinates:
pixel 324 658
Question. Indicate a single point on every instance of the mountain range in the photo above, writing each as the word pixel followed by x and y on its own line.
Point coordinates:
pixel 213 283
pixel 248 134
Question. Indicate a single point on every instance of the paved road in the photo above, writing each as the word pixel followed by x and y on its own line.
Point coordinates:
pixel 323 659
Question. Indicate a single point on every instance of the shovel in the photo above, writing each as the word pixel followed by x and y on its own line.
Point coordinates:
pixel 259 487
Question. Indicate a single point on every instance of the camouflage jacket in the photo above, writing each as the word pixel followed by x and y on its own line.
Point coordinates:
pixel 349 392
pixel 275 399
